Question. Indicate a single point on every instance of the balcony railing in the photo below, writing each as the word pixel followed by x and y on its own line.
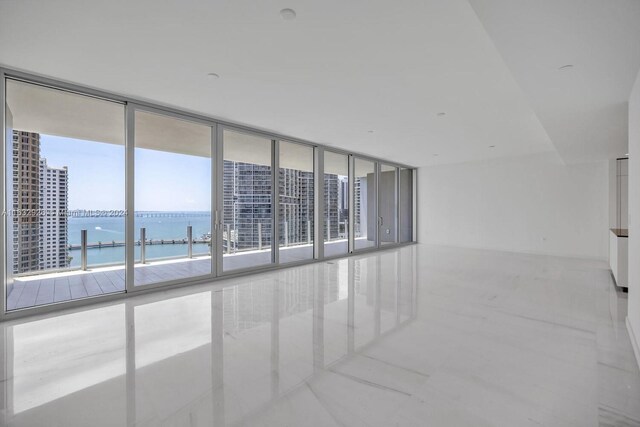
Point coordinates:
pixel 254 237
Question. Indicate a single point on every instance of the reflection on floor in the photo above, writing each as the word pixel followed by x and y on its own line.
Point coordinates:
pixel 412 336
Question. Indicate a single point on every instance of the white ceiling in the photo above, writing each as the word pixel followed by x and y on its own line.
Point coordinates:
pixel 342 69
pixel 35 108
pixel 583 108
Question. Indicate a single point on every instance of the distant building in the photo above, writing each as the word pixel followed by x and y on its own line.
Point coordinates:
pixel 296 199
pixel 357 207
pixel 26 201
pixel 40 199
pixel 331 207
pixel 360 210
pixel 247 203
pixel 54 186
pixel 343 198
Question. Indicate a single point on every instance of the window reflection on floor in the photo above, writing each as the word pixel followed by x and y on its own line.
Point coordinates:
pixel 217 353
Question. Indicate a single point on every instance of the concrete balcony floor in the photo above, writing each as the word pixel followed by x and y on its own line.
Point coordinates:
pixel 48 288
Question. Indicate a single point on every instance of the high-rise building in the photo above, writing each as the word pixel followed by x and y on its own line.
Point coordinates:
pixel 247 203
pixel 343 198
pixel 360 210
pixel 307 200
pixel 54 249
pixel 26 201
pixel 331 211
pixel 296 199
pixel 40 201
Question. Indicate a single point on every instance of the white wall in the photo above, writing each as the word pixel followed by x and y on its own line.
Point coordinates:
pixel 533 204
pixel 633 320
pixel 613 190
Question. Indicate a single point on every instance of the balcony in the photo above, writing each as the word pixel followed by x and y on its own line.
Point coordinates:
pixel 48 288
pixel 70 284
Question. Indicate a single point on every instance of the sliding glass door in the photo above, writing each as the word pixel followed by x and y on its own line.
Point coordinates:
pixel 364 193
pixel 295 202
pixel 172 224
pixel 247 214
pixel 336 204
pixel 64 196
pixel 104 196
pixel 387 204
pixel 405 206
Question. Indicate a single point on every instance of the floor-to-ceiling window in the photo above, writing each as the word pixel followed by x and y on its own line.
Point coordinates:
pixel 247 200
pixel 172 226
pixel 405 205
pixel 69 230
pixel 364 188
pixel 388 204
pixel 64 174
pixel 295 202
pixel 336 204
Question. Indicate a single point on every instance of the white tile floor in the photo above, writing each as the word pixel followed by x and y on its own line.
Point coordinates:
pixel 415 336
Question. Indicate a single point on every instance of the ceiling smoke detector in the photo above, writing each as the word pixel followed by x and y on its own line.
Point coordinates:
pixel 213 76
pixel 566 67
pixel 288 14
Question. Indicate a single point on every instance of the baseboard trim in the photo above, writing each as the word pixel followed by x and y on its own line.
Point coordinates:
pixel 518 251
pixel 634 341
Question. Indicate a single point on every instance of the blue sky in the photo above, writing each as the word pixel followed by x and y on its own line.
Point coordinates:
pixel 164 181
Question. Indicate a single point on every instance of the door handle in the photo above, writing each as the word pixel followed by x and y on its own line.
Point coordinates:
pixel 380 221
pixel 217 222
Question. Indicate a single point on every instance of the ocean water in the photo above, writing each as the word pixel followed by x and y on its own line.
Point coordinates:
pixel 109 229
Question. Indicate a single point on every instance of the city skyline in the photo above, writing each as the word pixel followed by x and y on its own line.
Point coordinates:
pixel 79 155
pixel 41 241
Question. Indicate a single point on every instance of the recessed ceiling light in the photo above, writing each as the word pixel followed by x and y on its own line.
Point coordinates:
pixel 492 146
pixel 566 67
pixel 213 76
pixel 435 155
pixel 371 131
pixel 442 114
pixel 288 14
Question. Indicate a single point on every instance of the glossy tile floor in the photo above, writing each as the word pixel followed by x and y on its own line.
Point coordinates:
pixel 413 336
